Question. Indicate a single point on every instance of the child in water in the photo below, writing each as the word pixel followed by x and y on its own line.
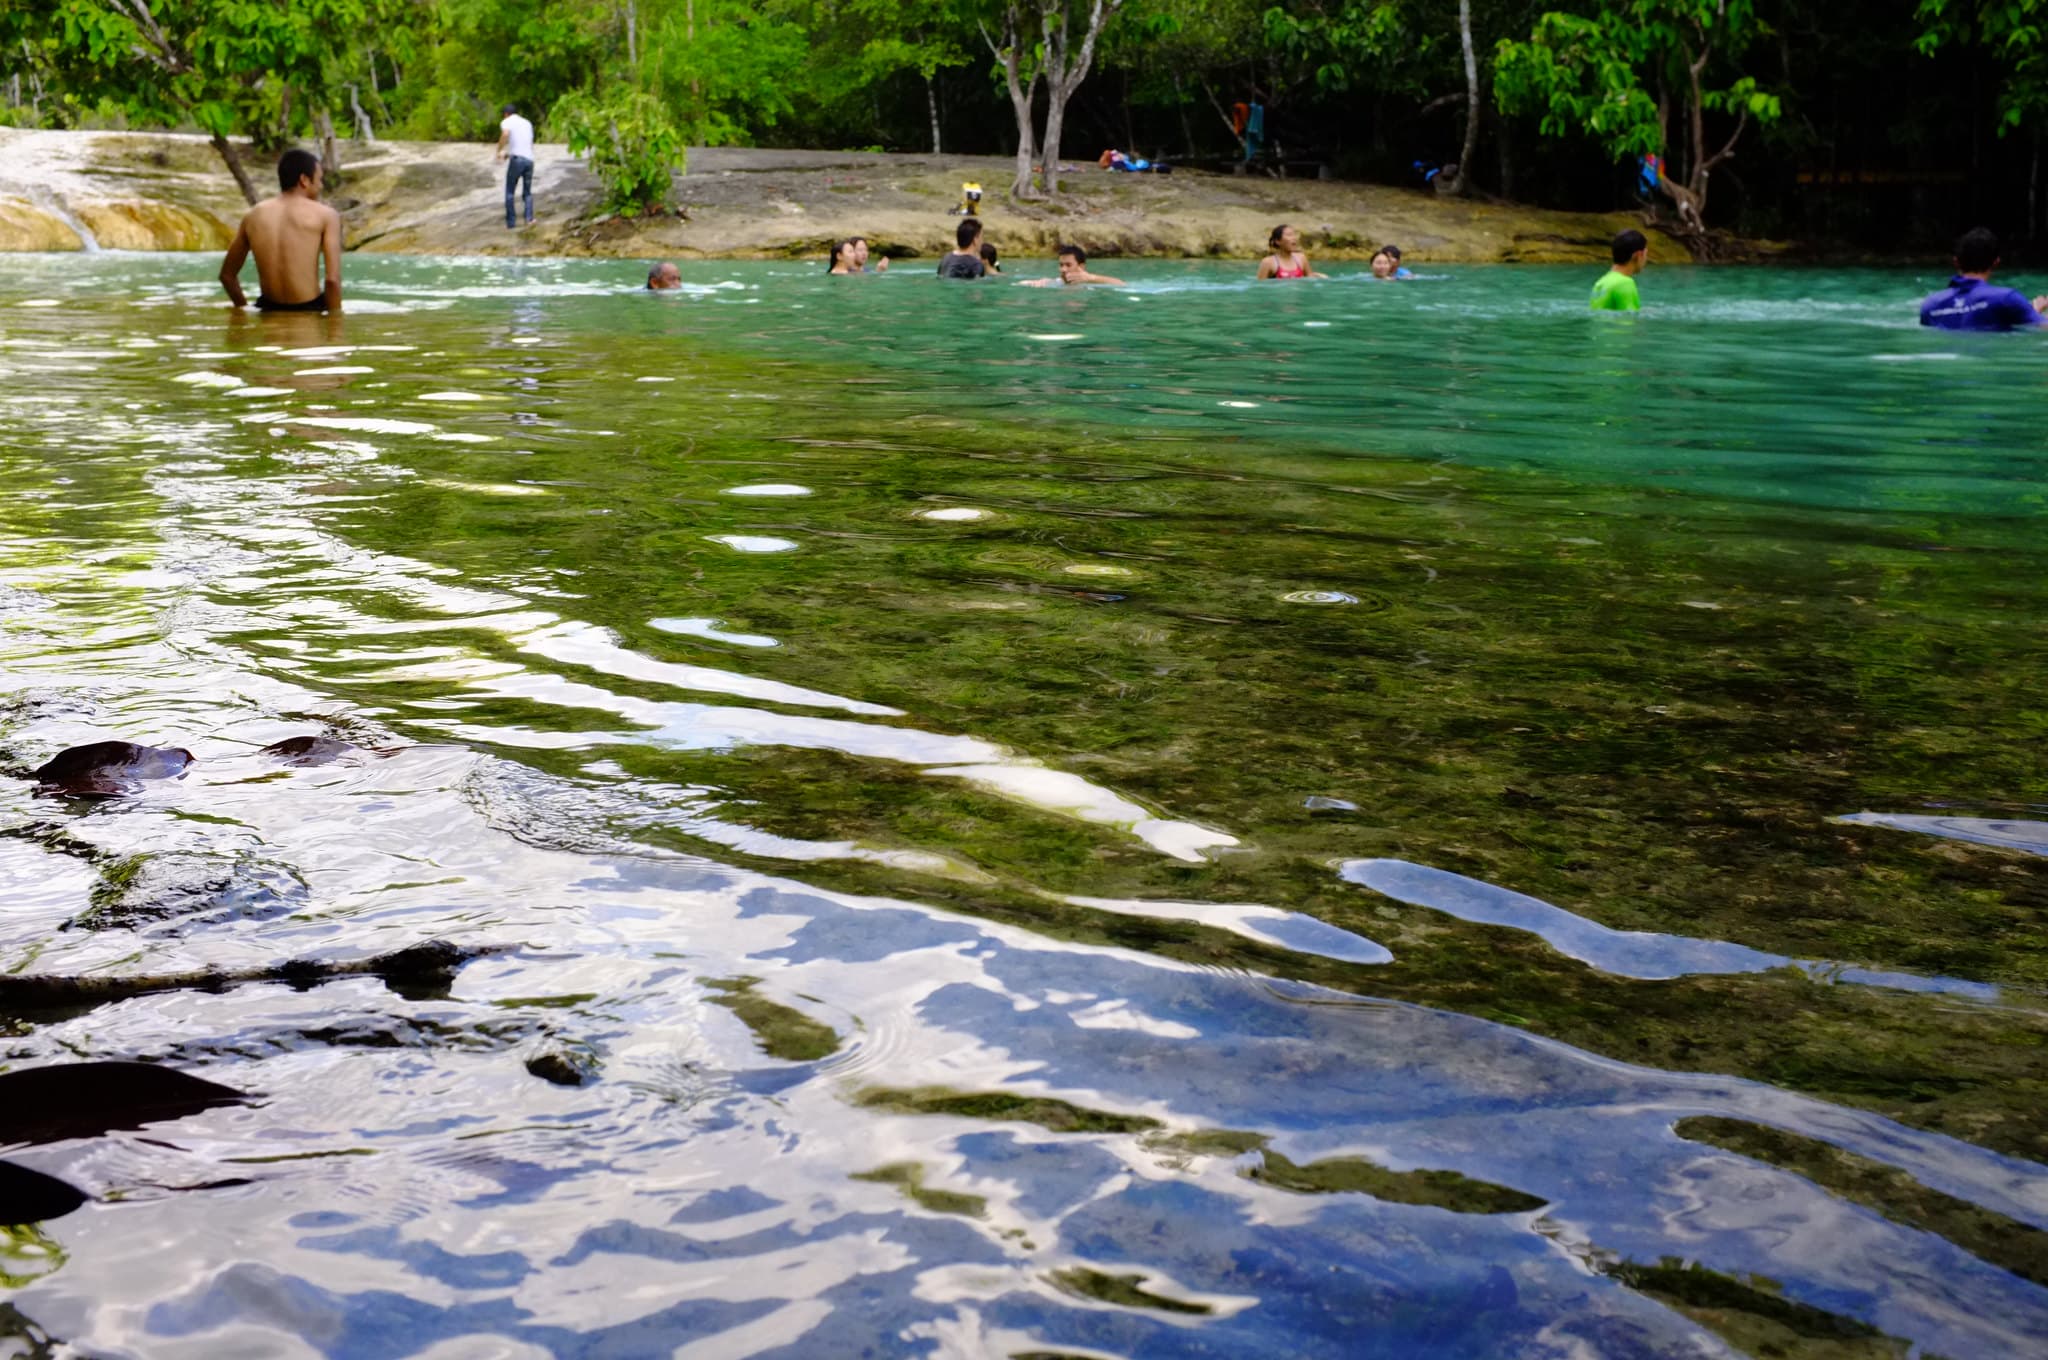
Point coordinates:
pixel 1286 261
pixel 1616 290
pixel 1386 264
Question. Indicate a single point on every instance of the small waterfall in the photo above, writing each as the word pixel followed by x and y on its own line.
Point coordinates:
pixel 54 206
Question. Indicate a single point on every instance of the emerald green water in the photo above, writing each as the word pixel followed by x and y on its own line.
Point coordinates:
pixel 1312 736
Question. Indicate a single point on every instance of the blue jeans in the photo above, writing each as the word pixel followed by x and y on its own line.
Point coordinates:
pixel 518 170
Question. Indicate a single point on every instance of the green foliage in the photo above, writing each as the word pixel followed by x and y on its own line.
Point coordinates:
pixel 1601 74
pixel 2015 32
pixel 726 68
pixel 632 144
pixel 1351 42
pixel 1628 70
pixel 1580 75
pixel 222 64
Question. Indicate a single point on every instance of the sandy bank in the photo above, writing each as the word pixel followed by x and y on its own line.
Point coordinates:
pixel 166 191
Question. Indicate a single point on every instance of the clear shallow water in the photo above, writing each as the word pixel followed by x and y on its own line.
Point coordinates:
pixel 696 671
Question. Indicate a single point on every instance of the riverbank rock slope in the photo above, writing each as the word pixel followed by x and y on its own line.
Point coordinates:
pixel 169 191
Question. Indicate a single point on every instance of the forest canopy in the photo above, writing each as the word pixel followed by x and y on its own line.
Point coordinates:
pixel 1887 126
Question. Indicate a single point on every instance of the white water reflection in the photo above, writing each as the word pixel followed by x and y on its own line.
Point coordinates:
pixel 2006 833
pixel 1625 953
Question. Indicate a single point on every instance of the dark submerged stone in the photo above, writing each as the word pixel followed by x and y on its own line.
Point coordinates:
pixel 108 769
pixel 30 1197
pixel 86 1099
pixel 313 750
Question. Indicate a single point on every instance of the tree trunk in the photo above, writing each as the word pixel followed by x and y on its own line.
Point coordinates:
pixel 633 36
pixel 931 101
pixel 233 158
pixel 1027 150
pixel 1064 72
pixel 1461 184
pixel 364 131
pixel 1021 95
pixel 330 158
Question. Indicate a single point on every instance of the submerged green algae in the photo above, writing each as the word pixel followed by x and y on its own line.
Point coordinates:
pixel 1127 1291
pixel 1754 1317
pixel 782 1031
pixel 1055 1116
pixel 909 1178
pixel 1355 1175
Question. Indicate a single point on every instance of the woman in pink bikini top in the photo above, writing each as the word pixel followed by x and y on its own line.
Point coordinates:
pixel 1286 261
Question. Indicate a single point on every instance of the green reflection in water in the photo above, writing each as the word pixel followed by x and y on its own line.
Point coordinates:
pixel 1621 619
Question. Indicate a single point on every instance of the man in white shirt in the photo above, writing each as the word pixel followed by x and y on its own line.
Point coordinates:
pixel 515 146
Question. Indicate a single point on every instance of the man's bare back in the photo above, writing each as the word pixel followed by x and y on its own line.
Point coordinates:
pixel 289 235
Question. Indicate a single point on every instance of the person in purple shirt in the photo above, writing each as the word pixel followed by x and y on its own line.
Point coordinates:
pixel 1970 303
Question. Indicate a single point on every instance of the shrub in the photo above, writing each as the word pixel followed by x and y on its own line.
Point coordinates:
pixel 631 143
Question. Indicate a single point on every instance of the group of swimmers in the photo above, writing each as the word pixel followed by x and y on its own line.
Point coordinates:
pixel 294 234
pixel 1288 262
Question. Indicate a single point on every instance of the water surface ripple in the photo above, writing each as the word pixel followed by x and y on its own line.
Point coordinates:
pixel 941 934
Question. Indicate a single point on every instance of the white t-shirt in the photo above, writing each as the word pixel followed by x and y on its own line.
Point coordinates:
pixel 518 136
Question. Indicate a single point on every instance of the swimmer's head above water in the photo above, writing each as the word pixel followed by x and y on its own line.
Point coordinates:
pixel 300 169
pixel 1631 251
pixel 664 276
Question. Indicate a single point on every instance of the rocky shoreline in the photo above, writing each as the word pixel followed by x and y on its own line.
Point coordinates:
pixel 168 191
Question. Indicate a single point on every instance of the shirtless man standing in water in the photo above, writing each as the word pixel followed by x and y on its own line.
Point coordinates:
pixel 289 235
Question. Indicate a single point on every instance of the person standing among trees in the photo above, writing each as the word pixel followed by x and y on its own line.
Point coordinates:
pixel 289 235
pixel 515 146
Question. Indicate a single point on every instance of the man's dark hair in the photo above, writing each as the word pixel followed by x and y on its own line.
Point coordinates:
pixel 1627 244
pixel 1080 255
pixel 1977 251
pixel 509 110
pixel 1394 252
pixel 969 228
pixel 295 165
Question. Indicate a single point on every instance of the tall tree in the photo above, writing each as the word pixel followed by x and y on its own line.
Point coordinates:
pixel 1017 57
pixel 1065 65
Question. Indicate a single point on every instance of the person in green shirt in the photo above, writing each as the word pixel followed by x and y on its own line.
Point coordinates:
pixel 1616 290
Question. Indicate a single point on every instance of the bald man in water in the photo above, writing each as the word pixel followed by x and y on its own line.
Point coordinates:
pixel 289 235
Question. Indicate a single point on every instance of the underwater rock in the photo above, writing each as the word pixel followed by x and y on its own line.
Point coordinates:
pixel 30 1197
pixel 177 884
pixel 314 750
pixel 108 769
pixel 562 1066
pixel 85 1099
pixel 416 971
